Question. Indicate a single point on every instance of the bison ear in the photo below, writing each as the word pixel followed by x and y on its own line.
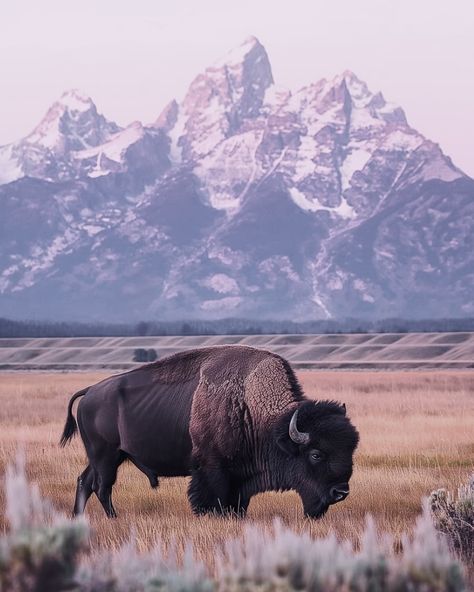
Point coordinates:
pixel 344 407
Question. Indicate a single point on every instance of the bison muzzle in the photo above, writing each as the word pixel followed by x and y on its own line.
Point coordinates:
pixel 234 418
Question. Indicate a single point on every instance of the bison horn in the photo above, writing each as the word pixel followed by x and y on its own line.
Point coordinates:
pixel 295 435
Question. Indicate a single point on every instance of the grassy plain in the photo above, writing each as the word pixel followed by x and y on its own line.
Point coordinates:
pixel 417 434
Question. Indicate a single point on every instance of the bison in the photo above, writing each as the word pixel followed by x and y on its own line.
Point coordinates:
pixel 232 417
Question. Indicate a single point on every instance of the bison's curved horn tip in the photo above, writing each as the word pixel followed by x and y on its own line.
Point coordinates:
pixel 297 436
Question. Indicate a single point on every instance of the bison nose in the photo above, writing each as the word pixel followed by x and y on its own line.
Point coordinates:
pixel 339 492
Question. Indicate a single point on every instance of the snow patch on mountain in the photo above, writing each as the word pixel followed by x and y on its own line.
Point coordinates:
pixel 113 150
pixel 228 172
pixel 10 167
pixel 225 255
pixel 221 305
pixel 44 258
pixel 344 210
pixel 276 267
pixel 92 229
pixel 402 139
pixel 355 161
pixel 363 289
pixel 275 97
pixel 75 100
pixel 221 283
pixel 237 55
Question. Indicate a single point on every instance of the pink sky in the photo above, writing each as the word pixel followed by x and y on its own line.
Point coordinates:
pixel 132 57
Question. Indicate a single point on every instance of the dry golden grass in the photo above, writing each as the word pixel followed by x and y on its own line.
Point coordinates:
pixel 417 434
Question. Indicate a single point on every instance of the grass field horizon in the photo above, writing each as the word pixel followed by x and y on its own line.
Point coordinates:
pixel 417 434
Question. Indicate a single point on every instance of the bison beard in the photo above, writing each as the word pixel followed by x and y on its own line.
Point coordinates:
pixel 234 418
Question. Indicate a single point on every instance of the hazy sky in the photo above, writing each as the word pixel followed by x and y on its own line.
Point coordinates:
pixel 132 57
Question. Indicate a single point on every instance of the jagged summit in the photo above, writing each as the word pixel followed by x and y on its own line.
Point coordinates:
pixel 251 47
pixel 72 123
pixel 75 100
pixel 219 101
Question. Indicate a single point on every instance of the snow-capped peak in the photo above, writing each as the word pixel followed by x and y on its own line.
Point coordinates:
pixel 347 96
pixel 239 54
pixel 220 100
pixel 72 123
pixel 75 100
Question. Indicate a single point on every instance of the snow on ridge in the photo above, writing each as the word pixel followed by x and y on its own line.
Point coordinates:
pixel 75 100
pixel 354 161
pixel 10 168
pixel 221 283
pixel 212 132
pixel 116 146
pixel 276 96
pixel 358 89
pixel 344 210
pixel 222 304
pixel 44 258
pixel 47 132
pixel 403 140
pixel 232 163
pixel 238 54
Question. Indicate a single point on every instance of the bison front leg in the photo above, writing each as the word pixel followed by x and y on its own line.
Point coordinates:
pixel 209 490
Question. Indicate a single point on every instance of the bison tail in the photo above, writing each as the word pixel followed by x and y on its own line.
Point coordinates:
pixel 70 427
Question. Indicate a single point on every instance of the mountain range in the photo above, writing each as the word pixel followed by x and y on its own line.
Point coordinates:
pixel 244 199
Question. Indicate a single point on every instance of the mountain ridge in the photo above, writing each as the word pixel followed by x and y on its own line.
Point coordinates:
pixel 242 199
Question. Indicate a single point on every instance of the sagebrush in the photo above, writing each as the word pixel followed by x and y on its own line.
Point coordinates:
pixel 43 550
pixel 453 515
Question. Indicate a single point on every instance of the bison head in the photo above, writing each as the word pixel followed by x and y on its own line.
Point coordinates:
pixel 318 442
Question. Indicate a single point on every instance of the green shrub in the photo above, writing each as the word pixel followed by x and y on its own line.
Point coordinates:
pixel 152 355
pixel 144 355
pixel 140 355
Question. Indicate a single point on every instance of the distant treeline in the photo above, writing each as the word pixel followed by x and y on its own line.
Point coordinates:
pixel 11 328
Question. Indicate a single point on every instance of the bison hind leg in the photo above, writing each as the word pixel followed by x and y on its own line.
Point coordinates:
pixel 85 487
pixel 105 468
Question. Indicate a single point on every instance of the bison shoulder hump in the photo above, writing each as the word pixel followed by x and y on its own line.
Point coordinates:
pixel 271 387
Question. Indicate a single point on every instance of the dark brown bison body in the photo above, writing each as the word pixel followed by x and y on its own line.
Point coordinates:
pixel 232 417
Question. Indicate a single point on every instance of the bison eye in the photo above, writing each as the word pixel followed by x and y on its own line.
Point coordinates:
pixel 315 456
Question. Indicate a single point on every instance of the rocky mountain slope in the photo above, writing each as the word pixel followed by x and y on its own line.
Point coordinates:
pixel 243 199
